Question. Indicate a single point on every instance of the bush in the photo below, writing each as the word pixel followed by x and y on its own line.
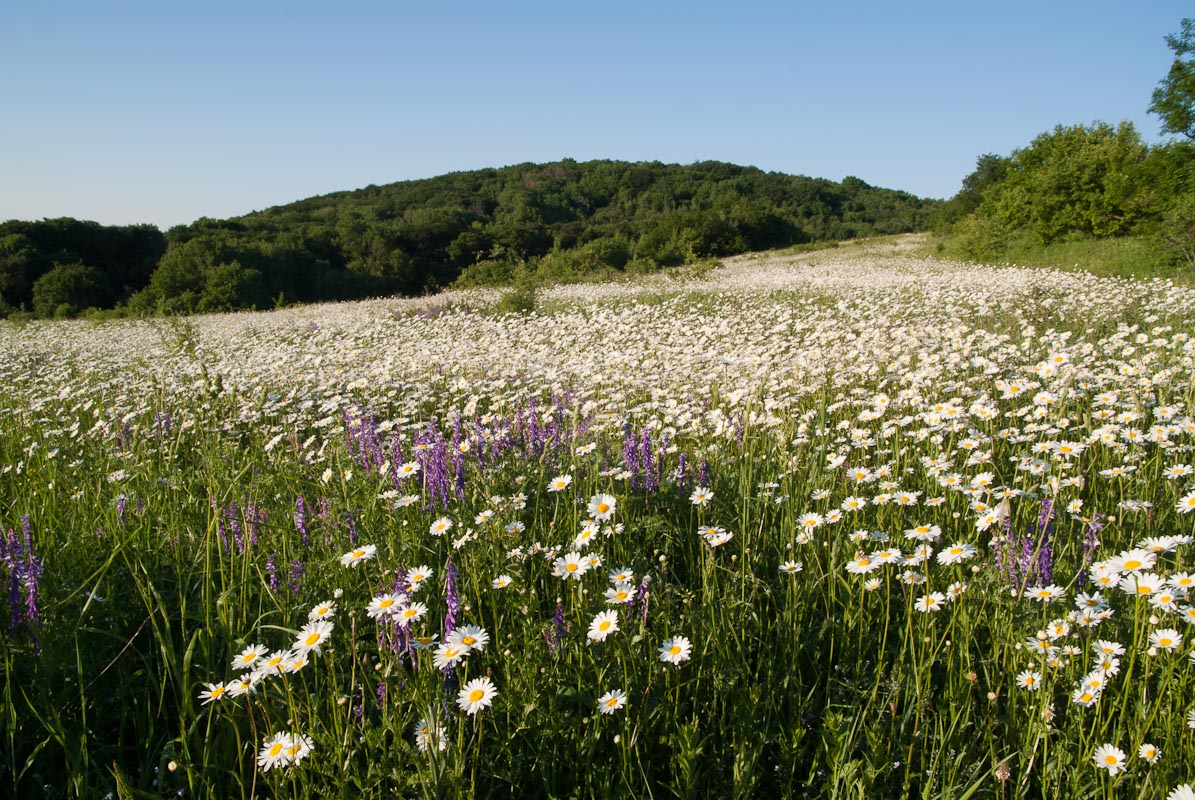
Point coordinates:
pixel 522 297
pixel 67 289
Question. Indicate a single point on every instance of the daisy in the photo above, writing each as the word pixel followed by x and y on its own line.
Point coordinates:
pixel 249 657
pixel 429 733
pixel 312 636
pixel 791 567
pixel 559 483
pixel 620 593
pixel 601 507
pixel 241 686
pixel 925 533
pixel 214 692
pixel 501 582
pixel 418 576
pixel 1166 638
pixel 1142 584
pixel 477 694
pixel 1134 561
pixel 298 747
pixel 1109 648
pixel 861 564
pixel 933 601
pixel 624 575
pixel 1186 503
pixel 719 539
pixel 1182 792
pixel 604 624
pixel 957 553
pixel 1029 680
pixel 1149 752
pixel 440 526
pixel 570 565
pixel 425 642
pixel 273 752
pixel 412 613
pixel 355 557
pixel 853 503
pixel 271 664
pixel 471 637
pixel 1044 594
pixel 1109 757
pixel 612 701
pixel 448 654
pixel 321 610
pixel 1178 471
pixel 294 663
pixel 383 605
pixel 675 650
pixel 701 496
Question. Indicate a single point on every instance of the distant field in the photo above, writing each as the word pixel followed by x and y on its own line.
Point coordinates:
pixel 849 522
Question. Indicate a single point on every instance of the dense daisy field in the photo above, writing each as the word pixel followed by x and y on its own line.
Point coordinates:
pixel 853 523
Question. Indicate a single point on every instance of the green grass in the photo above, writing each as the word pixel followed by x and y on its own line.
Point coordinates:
pixel 1125 257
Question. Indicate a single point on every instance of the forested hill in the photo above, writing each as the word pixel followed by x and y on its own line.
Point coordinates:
pixel 556 221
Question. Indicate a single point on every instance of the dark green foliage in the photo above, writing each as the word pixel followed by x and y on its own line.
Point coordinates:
pixel 67 289
pixel 565 221
pixel 1083 182
pixel 1174 99
pixel 124 256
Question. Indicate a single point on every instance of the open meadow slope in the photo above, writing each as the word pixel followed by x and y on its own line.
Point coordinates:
pixel 851 522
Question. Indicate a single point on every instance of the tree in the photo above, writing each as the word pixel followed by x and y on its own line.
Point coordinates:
pixel 1174 99
pixel 68 289
pixel 1074 180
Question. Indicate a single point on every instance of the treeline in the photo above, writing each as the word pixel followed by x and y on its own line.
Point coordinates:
pixel 1093 181
pixel 559 221
pixel 1089 181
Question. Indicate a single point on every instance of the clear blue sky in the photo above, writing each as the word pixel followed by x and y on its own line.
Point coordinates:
pixel 163 112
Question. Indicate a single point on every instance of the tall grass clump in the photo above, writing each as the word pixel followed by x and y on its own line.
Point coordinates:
pixel 875 526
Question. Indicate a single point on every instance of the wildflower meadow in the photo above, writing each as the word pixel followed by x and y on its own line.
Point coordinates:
pixel 852 523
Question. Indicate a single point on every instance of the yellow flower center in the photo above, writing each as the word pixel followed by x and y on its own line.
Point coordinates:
pixel 386 603
pixel 1134 564
pixel 469 640
pixel 476 695
pixel 276 749
pixel 604 626
pixel 674 650
pixel 612 702
pixel 571 567
pixel 603 508
pixel 358 553
pixel 311 639
pixel 1109 759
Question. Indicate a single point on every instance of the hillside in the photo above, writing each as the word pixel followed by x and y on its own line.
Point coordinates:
pixel 558 221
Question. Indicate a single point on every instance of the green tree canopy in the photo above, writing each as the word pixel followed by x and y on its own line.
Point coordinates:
pixel 1083 179
pixel 1174 99
pixel 67 289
